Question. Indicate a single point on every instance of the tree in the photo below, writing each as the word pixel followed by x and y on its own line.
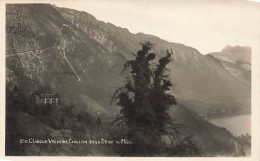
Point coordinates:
pixel 144 119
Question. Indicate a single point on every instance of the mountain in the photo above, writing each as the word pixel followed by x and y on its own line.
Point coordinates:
pixel 196 77
pixel 99 50
pixel 81 58
pixel 237 60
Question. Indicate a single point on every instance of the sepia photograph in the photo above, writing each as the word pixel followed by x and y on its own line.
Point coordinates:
pixel 129 78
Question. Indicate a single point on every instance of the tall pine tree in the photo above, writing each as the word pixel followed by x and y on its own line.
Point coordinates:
pixel 144 118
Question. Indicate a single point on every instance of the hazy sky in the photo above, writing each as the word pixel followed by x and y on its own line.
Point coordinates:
pixel 206 25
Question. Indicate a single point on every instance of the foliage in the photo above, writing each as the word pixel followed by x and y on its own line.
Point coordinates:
pixel 144 119
pixel 66 120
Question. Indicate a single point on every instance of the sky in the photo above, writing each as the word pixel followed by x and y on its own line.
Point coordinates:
pixel 207 25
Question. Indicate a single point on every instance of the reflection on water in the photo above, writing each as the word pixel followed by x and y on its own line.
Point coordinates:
pixel 237 125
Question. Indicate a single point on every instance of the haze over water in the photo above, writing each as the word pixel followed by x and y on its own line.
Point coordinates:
pixel 237 125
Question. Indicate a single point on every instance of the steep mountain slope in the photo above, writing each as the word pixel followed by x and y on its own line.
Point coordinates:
pixel 58 56
pixel 196 77
pixel 211 139
pixel 81 58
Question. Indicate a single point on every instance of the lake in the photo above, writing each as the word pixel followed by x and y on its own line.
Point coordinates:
pixel 237 125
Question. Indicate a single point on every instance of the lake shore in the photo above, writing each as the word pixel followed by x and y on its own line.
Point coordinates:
pixel 223 115
pixel 236 124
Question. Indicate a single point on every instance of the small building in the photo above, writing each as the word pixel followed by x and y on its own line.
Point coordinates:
pixel 46 99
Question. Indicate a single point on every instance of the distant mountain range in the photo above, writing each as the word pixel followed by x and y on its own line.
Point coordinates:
pixel 82 59
pixel 237 60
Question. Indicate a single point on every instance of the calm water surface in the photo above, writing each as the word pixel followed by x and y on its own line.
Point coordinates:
pixel 237 125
